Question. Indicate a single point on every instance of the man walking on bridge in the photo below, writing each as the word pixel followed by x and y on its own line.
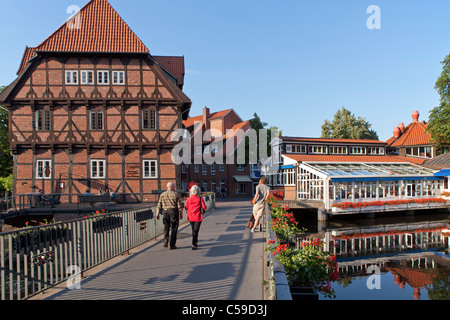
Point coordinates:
pixel 172 210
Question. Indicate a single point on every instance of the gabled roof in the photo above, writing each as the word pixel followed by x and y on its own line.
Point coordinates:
pixel 414 134
pixel 174 65
pixel 100 29
pixel 214 115
pixel 27 56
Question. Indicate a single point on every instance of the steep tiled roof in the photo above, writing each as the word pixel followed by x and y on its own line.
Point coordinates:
pixel 324 140
pixel 345 158
pixel 27 56
pixel 101 29
pixel 174 65
pixel 414 135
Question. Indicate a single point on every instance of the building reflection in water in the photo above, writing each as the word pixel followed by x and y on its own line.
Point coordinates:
pixel 417 254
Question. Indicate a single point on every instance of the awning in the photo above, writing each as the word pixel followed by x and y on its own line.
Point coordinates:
pixel 443 173
pixel 242 179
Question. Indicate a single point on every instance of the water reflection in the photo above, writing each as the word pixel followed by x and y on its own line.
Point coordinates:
pixel 409 260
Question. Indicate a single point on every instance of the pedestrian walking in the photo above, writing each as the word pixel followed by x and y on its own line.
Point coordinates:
pixel 169 205
pixel 195 207
pixel 259 201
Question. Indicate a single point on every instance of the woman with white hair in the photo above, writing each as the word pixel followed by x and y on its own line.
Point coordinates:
pixel 194 206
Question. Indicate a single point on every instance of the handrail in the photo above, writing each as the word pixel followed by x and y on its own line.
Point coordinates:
pixel 36 258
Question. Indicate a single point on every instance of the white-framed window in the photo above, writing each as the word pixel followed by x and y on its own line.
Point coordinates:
pixel 150 170
pixel 87 77
pixel 295 148
pixel 337 150
pixel 213 170
pixel 118 77
pixel 213 185
pixel 358 150
pixel 103 77
pixel 205 186
pixel 43 169
pixel 375 150
pixel 42 120
pixel 204 169
pixel 196 168
pixel 96 120
pixel 221 167
pixel 98 169
pixel 423 152
pixel 71 77
pixel 317 149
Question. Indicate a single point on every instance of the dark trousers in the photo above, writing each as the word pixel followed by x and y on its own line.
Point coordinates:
pixel 195 229
pixel 171 220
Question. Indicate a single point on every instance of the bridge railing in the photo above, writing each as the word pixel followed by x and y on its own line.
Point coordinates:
pixel 36 258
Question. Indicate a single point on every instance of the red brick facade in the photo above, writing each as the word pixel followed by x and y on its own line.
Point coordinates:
pixel 95 119
pixel 238 181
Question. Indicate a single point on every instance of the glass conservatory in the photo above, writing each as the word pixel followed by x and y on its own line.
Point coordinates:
pixel 335 183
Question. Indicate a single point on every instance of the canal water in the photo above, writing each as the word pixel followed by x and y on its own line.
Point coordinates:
pixel 390 257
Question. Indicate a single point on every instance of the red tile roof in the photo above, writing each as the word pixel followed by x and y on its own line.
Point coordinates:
pixel 215 115
pixel 174 65
pixel 345 158
pixel 27 56
pixel 322 140
pixel 101 29
pixel 414 135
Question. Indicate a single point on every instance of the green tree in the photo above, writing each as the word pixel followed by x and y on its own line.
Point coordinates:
pixel 439 120
pixel 6 160
pixel 346 126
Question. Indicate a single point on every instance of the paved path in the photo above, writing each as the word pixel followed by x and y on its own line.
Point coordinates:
pixel 227 266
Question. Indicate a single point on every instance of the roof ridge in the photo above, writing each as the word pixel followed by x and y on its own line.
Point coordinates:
pixel 94 35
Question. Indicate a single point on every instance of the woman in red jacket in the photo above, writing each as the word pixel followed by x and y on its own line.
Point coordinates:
pixel 194 206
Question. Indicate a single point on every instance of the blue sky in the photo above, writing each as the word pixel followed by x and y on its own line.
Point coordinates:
pixel 294 62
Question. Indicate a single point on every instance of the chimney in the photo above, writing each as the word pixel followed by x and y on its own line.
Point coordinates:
pixel 206 115
pixel 401 126
pixel 415 116
pixel 397 133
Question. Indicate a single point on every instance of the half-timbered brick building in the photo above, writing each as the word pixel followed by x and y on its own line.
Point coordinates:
pixel 92 108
